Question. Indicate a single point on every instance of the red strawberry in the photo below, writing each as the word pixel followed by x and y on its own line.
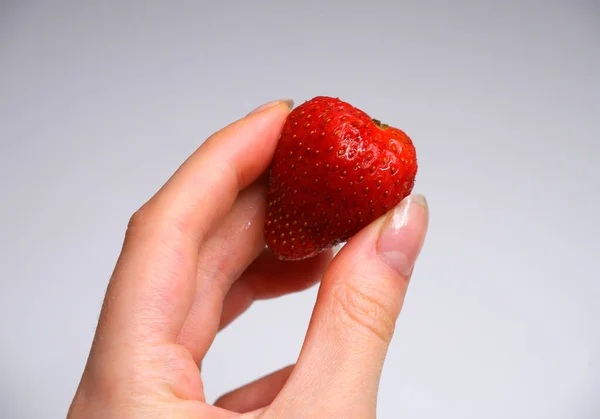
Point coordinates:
pixel 334 171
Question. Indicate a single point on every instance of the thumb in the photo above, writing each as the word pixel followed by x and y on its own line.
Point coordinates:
pixel 360 298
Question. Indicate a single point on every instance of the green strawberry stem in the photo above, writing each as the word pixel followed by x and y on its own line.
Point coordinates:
pixel 380 124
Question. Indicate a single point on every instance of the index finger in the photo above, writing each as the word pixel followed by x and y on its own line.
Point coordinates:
pixel 152 287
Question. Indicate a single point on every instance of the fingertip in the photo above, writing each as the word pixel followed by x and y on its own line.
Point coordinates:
pixel 403 233
pixel 287 103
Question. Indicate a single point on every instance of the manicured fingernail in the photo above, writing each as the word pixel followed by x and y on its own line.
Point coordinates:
pixel 288 102
pixel 403 233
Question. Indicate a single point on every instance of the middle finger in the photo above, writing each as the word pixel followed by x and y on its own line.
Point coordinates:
pixel 235 269
pixel 225 255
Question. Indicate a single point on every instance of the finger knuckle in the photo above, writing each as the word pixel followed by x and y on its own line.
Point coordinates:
pixel 150 219
pixel 160 221
pixel 365 308
pixel 139 218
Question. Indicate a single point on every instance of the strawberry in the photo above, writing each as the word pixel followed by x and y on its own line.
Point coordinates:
pixel 334 171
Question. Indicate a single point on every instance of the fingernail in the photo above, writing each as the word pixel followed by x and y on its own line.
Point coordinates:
pixel 288 102
pixel 403 234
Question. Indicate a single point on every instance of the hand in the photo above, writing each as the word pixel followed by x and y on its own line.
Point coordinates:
pixel 193 259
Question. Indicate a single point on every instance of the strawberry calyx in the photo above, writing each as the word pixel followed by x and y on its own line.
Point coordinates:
pixel 379 124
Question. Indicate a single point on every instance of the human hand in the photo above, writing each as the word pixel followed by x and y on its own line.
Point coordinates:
pixel 194 259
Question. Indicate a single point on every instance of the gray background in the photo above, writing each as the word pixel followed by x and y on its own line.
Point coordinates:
pixel 100 103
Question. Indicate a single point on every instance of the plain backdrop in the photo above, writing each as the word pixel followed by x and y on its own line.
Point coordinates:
pixel 101 101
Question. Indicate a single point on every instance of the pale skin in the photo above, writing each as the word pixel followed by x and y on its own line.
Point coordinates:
pixel 194 259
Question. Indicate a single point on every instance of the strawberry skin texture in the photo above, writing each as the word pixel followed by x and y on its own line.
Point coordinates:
pixel 334 171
